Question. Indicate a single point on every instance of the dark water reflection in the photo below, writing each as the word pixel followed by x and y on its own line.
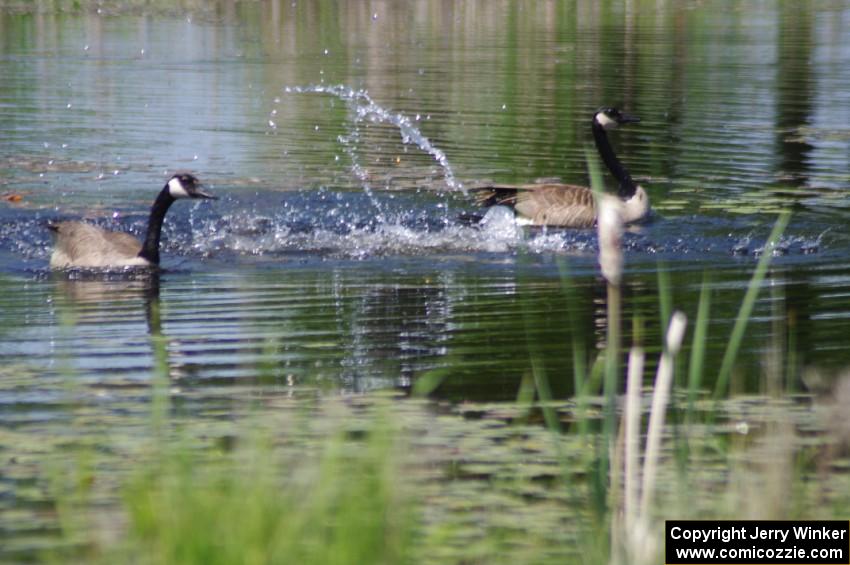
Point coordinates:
pixel 354 329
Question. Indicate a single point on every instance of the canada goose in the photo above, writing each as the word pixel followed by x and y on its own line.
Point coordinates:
pixel 78 244
pixel 569 205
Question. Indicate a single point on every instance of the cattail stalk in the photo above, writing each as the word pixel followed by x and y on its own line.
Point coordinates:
pixel 660 397
pixel 610 229
pixel 631 423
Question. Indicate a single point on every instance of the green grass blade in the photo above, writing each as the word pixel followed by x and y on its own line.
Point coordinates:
pixel 665 293
pixel 579 345
pixel 747 306
pixel 698 346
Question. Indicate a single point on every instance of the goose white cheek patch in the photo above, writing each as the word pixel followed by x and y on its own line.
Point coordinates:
pixel 176 190
pixel 605 121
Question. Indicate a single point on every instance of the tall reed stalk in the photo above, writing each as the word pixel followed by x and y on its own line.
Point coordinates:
pixel 660 398
pixel 610 231
pixel 631 423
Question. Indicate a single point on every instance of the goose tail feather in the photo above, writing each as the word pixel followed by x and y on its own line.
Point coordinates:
pixel 494 195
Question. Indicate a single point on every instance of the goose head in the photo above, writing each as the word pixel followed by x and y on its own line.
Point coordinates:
pixel 186 185
pixel 610 118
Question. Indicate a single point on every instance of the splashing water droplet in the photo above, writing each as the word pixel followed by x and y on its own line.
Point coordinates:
pixel 365 109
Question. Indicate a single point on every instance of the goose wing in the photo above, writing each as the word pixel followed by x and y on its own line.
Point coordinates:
pixel 78 244
pixel 548 204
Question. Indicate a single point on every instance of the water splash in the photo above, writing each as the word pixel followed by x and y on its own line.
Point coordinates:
pixel 364 108
pixel 348 229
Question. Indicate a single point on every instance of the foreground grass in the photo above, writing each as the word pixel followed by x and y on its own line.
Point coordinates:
pixel 379 482
pixel 394 483
pixel 343 504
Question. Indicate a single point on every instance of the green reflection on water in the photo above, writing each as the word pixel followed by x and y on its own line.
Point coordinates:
pixel 506 90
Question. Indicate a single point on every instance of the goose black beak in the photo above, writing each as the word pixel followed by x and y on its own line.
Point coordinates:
pixel 199 193
pixel 628 119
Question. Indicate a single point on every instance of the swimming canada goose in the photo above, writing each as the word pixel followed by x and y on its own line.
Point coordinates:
pixel 569 205
pixel 78 244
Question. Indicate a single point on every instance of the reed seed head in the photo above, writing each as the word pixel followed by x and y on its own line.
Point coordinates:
pixel 676 332
pixel 610 228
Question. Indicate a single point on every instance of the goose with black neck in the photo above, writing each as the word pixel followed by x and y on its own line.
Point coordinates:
pixel 569 205
pixel 83 245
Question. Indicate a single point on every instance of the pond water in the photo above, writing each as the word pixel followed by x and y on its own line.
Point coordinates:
pixel 341 139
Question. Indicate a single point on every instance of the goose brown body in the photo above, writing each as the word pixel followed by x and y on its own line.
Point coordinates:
pixel 79 244
pixel 570 205
pixel 548 204
pixel 83 245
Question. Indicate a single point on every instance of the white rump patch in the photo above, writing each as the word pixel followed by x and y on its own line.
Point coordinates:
pixel 636 207
pixel 176 190
pixel 499 219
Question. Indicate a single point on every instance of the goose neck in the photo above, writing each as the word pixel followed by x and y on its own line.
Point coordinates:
pixel 150 247
pixel 627 186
